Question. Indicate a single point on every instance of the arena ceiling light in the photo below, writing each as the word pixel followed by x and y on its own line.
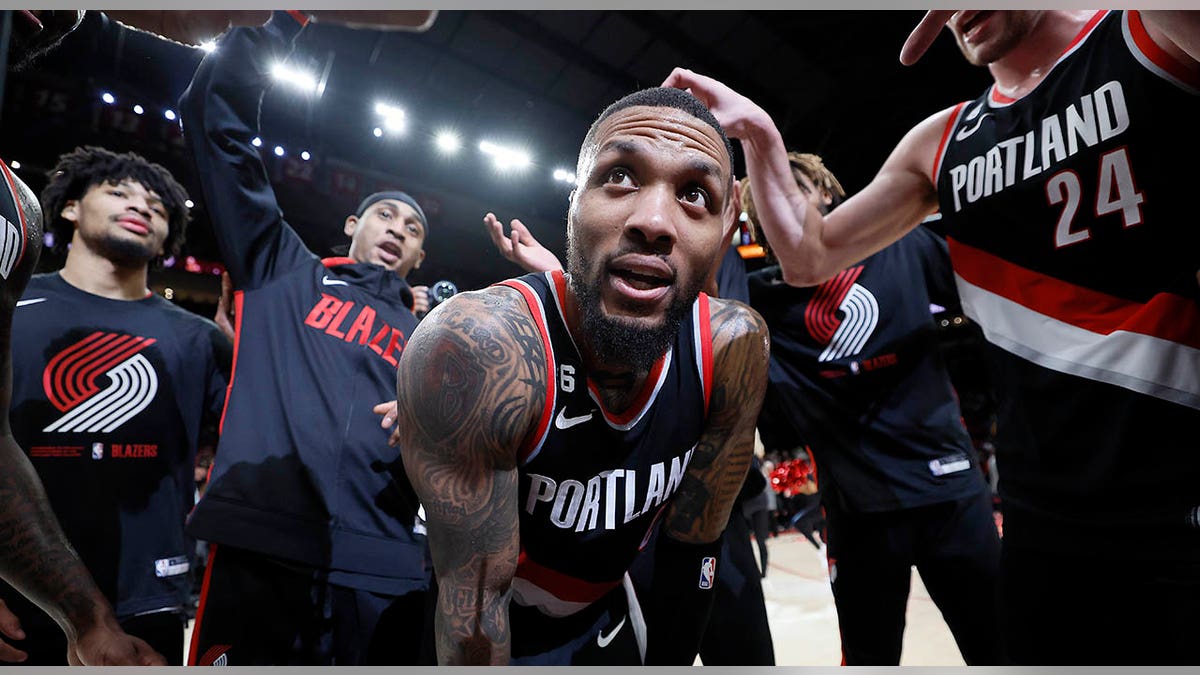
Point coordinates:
pixel 448 142
pixel 256 142
pixel 304 155
pixel 395 120
pixel 378 132
pixel 279 151
pixel 564 176
pixel 138 109
pixel 189 203
pixel 169 114
pixel 295 77
pixel 209 45
pixel 504 158
pixel 108 98
pixel 15 164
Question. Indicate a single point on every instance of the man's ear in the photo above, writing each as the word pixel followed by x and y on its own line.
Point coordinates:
pixel 420 259
pixel 351 226
pixel 70 211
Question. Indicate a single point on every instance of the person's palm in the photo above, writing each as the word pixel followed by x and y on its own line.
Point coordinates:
pixel 520 246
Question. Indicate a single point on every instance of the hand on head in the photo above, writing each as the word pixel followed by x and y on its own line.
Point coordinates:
pixel 520 246
pixel 737 115
pixel 922 37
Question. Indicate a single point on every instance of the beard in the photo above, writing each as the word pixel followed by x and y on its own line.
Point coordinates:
pixel 124 252
pixel 618 339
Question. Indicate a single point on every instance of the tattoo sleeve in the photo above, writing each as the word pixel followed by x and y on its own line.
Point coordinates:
pixel 700 510
pixel 470 388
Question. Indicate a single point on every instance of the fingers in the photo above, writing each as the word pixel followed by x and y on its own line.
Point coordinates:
pixel 10 625
pixel 920 39
pixel 388 410
pixel 525 236
pixel 11 654
pixel 679 78
pixel 496 230
pixel 394 439
pixel 420 299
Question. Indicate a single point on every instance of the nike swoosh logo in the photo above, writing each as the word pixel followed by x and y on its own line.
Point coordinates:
pixel 333 282
pixel 564 422
pixel 966 132
pixel 31 301
pixel 603 640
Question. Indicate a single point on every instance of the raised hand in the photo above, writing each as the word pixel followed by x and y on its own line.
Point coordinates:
pixel 520 246
pixel 738 115
pixel 920 39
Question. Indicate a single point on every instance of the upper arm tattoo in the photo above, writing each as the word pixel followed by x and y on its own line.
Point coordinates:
pixel 470 388
pixel 700 510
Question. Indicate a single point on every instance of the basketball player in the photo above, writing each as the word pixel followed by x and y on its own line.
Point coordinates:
pixel 856 366
pixel 549 422
pixel 317 552
pixel 111 387
pixel 35 556
pixel 1068 223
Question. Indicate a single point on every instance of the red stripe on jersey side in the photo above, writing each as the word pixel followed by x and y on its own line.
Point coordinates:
pixel 1166 316
pixel 562 586
pixel 941 149
pixel 12 188
pixel 706 352
pixel 1157 55
pixel 238 297
pixel 193 656
pixel 535 308
pixel 334 262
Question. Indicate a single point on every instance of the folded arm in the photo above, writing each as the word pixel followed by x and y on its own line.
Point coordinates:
pixel 471 386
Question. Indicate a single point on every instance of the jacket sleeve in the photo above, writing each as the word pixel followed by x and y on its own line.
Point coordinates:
pixel 220 117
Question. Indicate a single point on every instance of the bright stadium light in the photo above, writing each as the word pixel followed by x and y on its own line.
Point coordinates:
pixel 448 142
pixel 138 109
pixel 505 158
pixel 15 164
pixel 108 98
pixel 189 203
pixel 279 151
pixel 208 45
pixel 395 120
pixel 305 156
pixel 299 79
pixel 564 176
pixel 256 142
pixel 169 114
pixel 378 132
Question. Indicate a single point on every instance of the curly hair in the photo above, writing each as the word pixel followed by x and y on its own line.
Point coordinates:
pixel 803 164
pixel 88 166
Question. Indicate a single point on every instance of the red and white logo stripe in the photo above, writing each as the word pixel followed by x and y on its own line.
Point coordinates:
pixel 72 382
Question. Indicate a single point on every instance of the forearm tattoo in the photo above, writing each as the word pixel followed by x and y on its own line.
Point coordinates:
pixel 470 387
pixel 700 510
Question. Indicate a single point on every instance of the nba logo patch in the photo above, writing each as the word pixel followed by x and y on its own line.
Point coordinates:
pixel 97 451
pixel 708 572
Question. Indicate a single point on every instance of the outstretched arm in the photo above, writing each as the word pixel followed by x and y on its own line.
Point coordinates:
pixel 810 247
pixel 679 601
pixel 471 386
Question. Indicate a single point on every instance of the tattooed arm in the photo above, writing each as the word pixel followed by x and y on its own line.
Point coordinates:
pixel 681 593
pixel 471 385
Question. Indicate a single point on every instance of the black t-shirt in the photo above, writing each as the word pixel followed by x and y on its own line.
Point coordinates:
pixel 856 373
pixel 109 398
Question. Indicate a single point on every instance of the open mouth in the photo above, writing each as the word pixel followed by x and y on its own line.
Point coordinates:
pixel 641 277
pixel 972 20
pixel 390 251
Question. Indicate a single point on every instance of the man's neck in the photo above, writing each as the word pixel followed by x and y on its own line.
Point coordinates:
pixel 98 275
pixel 617 383
pixel 1026 65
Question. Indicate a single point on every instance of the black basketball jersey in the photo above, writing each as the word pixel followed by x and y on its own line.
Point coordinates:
pixel 592 483
pixel 1072 231
pixel 14 231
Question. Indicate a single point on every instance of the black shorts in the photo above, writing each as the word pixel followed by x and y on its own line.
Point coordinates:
pixel 610 631
pixel 256 610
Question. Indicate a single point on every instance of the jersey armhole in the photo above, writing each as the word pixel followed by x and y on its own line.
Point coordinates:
pixel 1154 58
pixel 533 443
pixel 955 115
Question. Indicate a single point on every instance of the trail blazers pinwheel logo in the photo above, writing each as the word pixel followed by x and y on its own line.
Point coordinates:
pixel 100 382
pixel 845 335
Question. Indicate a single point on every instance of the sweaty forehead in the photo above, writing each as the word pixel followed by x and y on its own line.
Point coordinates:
pixel 666 125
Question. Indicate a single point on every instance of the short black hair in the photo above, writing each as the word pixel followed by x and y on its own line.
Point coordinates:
pixel 660 97
pixel 77 171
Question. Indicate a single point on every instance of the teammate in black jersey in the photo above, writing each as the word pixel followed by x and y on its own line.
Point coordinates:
pixel 1067 216
pixel 34 554
pixel 110 388
pixel 856 369
pixel 550 422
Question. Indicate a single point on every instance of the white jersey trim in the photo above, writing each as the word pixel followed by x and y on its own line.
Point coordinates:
pixel 529 594
pixel 552 362
pixel 993 92
pixel 1142 363
pixel 1147 63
